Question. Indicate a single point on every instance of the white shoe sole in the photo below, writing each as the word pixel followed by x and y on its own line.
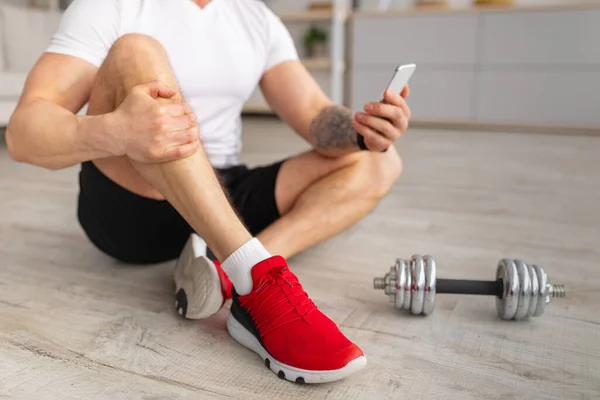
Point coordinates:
pixel 283 371
pixel 197 285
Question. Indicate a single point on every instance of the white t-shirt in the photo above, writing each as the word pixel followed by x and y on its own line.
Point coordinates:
pixel 218 53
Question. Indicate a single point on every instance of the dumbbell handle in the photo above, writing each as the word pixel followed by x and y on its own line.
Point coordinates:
pixel 462 286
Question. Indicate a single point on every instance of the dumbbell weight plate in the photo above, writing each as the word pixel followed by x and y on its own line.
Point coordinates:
pixel 524 290
pixel 542 299
pixel 408 285
pixel 418 285
pixel 506 306
pixel 400 283
pixel 430 279
pixel 535 288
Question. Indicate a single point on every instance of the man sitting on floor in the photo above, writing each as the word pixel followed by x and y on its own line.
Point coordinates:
pixel 165 82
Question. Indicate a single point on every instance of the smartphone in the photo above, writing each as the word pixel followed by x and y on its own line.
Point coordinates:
pixel 401 76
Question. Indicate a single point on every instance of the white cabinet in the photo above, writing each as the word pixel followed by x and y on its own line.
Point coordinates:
pixel 555 97
pixel 540 68
pixel 568 37
pixel 447 39
pixel 523 66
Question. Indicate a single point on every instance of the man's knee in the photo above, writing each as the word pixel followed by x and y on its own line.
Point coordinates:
pixel 380 172
pixel 133 59
pixel 131 43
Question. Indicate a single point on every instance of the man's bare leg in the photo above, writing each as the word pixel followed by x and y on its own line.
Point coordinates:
pixel 320 197
pixel 189 184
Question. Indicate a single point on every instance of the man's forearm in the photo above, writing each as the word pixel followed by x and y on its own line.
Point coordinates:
pixel 44 134
pixel 331 131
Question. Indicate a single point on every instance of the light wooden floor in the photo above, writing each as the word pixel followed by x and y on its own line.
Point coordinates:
pixel 76 325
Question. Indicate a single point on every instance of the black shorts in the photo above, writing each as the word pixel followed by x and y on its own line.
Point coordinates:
pixel 136 229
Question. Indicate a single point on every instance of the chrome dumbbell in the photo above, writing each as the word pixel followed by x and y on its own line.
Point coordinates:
pixel 521 290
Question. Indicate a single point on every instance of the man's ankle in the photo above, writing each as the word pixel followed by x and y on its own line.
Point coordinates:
pixel 238 266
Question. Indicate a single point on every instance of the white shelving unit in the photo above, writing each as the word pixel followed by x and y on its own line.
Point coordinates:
pixel 334 64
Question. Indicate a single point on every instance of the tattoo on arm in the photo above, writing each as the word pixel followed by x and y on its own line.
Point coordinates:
pixel 332 128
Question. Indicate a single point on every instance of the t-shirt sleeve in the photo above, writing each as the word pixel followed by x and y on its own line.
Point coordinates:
pixel 87 30
pixel 281 46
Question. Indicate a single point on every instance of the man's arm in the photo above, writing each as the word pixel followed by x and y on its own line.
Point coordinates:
pixel 297 98
pixel 44 130
pixel 331 129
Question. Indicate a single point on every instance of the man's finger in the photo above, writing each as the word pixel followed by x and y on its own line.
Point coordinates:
pixel 183 122
pixel 405 92
pixel 394 98
pixel 176 109
pixel 382 125
pixel 394 109
pixel 178 152
pixel 184 136
pixel 158 89
pixel 373 140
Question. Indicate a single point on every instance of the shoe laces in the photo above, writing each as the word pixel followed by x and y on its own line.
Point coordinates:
pixel 278 300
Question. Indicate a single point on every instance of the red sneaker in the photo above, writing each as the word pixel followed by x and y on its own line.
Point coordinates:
pixel 201 285
pixel 279 322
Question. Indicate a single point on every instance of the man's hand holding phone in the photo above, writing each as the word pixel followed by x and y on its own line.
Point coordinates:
pixel 383 122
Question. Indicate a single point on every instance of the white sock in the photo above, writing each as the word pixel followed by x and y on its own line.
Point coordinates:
pixel 238 265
